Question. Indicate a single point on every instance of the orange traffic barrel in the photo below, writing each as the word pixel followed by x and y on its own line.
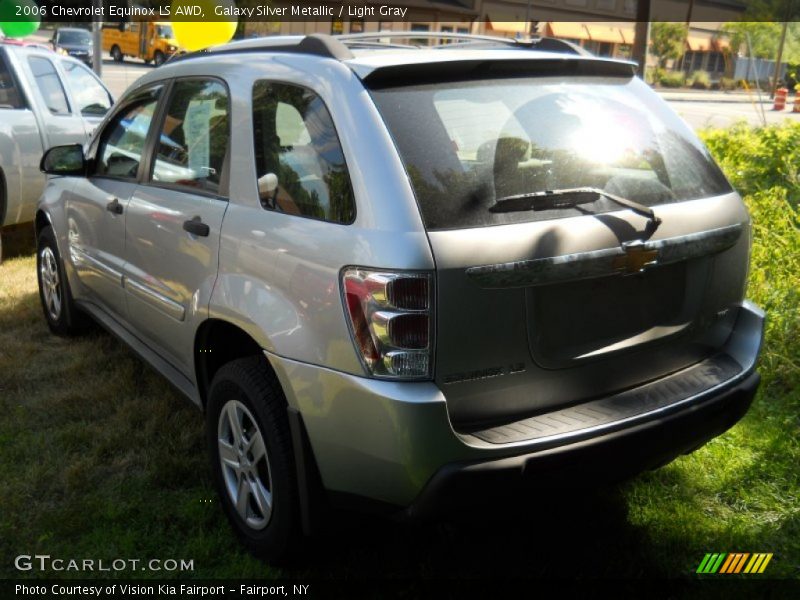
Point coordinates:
pixel 780 98
pixel 796 107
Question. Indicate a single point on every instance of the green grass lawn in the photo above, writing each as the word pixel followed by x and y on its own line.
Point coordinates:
pixel 102 459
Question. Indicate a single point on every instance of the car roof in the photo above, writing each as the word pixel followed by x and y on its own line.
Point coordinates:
pixel 23 46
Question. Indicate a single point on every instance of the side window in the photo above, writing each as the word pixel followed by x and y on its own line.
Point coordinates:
pixel 194 137
pixel 296 146
pixel 91 97
pixel 10 96
pixel 123 139
pixel 49 85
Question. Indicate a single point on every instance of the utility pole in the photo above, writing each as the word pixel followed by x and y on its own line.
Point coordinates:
pixel 776 78
pixel 642 35
pixel 786 18
pixel 97 34
pixel 688 29
pixel 528 20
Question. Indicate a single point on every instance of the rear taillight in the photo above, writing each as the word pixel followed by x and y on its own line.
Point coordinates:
pixel 390 320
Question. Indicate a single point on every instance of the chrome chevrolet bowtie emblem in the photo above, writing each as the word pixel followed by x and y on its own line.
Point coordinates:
pixel 636 258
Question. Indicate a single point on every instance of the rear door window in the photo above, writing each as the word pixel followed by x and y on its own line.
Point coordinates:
pixel 467 144
pixel 297 148
pixel 49 84
pixel 193 144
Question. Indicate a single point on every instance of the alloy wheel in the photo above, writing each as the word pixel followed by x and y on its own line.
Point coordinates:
pixel 245 464
pixel 50 282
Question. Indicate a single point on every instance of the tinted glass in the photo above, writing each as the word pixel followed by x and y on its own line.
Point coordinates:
pixel 49 85
pixel 9 92
pixel 467 144
pixel 91 97
pixel 194 137
pixel 123 139
pixel 295 140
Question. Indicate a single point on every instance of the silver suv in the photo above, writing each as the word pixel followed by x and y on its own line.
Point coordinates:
pixel 408 277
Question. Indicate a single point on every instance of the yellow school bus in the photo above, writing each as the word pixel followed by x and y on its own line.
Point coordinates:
pixel 148 40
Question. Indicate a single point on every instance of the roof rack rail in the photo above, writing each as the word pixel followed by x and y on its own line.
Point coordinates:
pixel 315 43
pixel 338 46
pixel 461 39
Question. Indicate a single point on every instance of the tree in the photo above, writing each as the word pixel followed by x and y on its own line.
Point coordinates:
pixel 666 41
pixel 763 35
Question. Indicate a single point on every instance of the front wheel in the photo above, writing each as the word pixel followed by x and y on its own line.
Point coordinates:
pixel 116 54
pixel 252 460
pixel 62 316
pixel 159 58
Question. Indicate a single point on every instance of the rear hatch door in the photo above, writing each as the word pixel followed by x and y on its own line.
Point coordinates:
pixel 540 309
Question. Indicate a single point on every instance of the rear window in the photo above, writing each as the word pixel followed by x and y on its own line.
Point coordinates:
pixel 467 144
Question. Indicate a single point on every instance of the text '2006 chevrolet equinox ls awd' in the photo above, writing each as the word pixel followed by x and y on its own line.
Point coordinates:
pixel 391 273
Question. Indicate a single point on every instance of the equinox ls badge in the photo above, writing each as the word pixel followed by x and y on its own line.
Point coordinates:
pixel 636 259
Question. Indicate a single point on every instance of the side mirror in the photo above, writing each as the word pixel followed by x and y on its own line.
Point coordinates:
pixel 64 160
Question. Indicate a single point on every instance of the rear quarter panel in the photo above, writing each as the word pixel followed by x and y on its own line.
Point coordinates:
pixel 279 274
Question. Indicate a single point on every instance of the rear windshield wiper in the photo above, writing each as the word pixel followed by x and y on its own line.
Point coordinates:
pixel 570 198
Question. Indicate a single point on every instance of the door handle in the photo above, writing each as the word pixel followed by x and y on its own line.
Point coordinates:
pixel 196 227
pixel 114 207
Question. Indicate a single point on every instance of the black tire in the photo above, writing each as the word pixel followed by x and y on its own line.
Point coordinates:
pixel 116 54
pixel 250 382
pixel 68 319
pixel 159 58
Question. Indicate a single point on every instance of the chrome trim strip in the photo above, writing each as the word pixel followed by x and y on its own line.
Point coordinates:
pixel 601 263
pixel 166 305
pixel 96 264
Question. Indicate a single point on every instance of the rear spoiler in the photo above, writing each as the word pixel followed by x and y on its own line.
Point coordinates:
pixel 477 69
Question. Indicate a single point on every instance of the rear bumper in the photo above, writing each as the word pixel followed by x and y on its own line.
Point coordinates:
pixel 394 443
pixel 599 459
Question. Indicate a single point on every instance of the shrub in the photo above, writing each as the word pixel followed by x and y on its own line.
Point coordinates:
pixel 653 75
pixel 700 80
pixel 762 164
pixel 759 159
pixel 672 80
pixel 727 83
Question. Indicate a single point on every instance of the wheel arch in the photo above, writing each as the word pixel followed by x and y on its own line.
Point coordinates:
pixel 216 343
pixel 42 220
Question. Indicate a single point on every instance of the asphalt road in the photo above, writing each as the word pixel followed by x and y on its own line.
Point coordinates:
pixel 699 109
pixel 118 76
pixel 701 114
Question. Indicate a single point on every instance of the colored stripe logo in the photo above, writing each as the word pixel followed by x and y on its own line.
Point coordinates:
pixel 734 562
